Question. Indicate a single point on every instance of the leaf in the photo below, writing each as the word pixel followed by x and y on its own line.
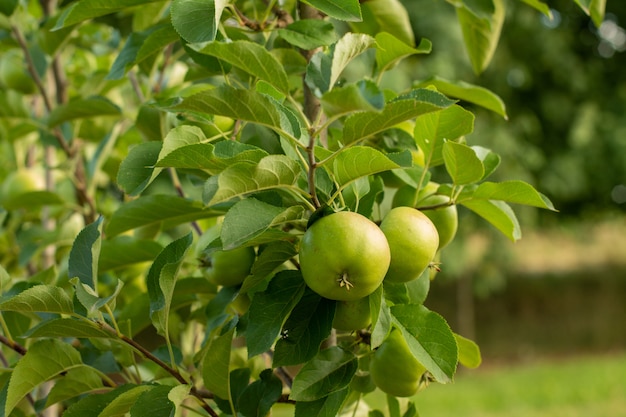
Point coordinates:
pixel 481 33
pixel 242 104
pixel 82 108
pixel 270 309
pixel 499 214
pixel 389 16
pixel 429 338
pixel 76 381
pixel 594 8
pixel 417 102
pixel 269 258
pixel 7 7
pixel 541 6
pixel 137 171
pixel 462 163
pixel 433 129
pixel 39 299
pixel 468 92
pixel 359 161
pixel 328 372
pixel 271 172
pixel 121 404
pixel 161 280
pixel 197 21
pixel 309 34
pixel 308 325
pixel 88 9
pixel 94 405
pixel 90 299
pixel 66 327
pixel 391 50
pixel 257 399
pixel 329 406
pixel 345 50
pixel 347 10
pixel 83 260
pixel 159 209
pixel 381 317
pixel 490 160
pixel 469 353
pixel 123 251
pixel 215 364
pixel 517 192
pixel 250 218
pixel 141 46
pixel 45 359
pixel 186 147
pixel 363 95
pixel 252 58
pixel 154 402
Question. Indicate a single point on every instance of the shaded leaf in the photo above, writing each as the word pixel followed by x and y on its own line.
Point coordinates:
pixel 329 406
pixel 123 251
pixel 391 50
pixel 83 108
pixel 66 327
pixel 154 403
pixel 40 298
pixel 76 381
pixel 363 95
pixel 541 6
pixel 269 258
pixel 83 260
pixel 215 364
pixel 197 21
pixel 348 10
pixel 328 372
pixel 88 9
pixel 309 34
pixel 594 8
pixel 257 399
pixel 137 169
pixel 388 16
pixel 270 309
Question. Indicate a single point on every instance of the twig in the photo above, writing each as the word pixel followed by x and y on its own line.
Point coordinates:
pixel 13 345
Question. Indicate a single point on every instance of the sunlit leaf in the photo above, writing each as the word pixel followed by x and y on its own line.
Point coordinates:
pixel 391 50
pixel 469 353
pixel 499 214
pixel 517 192
pixel 66 327
pixel 462 164
pixel 541 6
pixel 83 10
pixel 40 298
pixel 348 10
pixel 389 16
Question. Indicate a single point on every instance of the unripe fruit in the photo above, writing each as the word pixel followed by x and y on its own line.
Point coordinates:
pixel 445 219
pixel 413 241
pixel 352 315
pixel 344 256
pixel 230 267
pixel 17 184
pixel 393 367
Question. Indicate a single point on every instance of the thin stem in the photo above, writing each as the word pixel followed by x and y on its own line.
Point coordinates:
pixel 13 345
pixel 5 328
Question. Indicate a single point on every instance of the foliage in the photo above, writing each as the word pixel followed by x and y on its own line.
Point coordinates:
pixel 157 133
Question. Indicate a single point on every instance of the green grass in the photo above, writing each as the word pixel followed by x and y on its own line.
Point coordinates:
pixel 590 387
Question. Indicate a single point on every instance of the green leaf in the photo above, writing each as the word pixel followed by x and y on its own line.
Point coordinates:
pixel 160 209
pixel 329 406
pixel 30 200
pixel 88 9
pixel 347 10
pixel 94 405
pixel 272 172
pixel 381 317
pixel 242 104
pixel 345 50
pixel 252 58
pixel 137 169
pixel 215 364
pixel 155 402
pixel 309 34
pixel 161 280
pixel 468 92
pixel 328 372
pixel 490 160
pixel 7 7
pixel 429 338
pixel 541 6
pixel 517 192
pixel 250 218
pixel 359 161
pixel 388 16
pixel 499 214
pixel 469 353
pixel 39 299
pixel 308 325
pixel 75 382
pixel 433 129
pixel 365 124
pixel 123 251
pixel 186 147
pixel 270 309
pixel 88 297
pixel 391 50
pixel 83 261
pixel 45 359
pixel 141 46
pixel 257 399
pixel 122 403
pixel 363 95
pixel 197 21
pixel 66 327
pixel 462 163
pixel 269 258
pixel 82 108
pixel 594 8
pixel 481 33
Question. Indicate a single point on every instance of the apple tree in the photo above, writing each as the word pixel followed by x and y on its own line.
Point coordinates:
pixel 231 208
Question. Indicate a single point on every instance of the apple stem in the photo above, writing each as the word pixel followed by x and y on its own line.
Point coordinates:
pixel 344 282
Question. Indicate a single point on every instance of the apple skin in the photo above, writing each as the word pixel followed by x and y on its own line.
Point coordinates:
pixel 230 267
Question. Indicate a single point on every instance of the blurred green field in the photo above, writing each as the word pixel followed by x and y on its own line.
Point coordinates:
pixel 574 387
